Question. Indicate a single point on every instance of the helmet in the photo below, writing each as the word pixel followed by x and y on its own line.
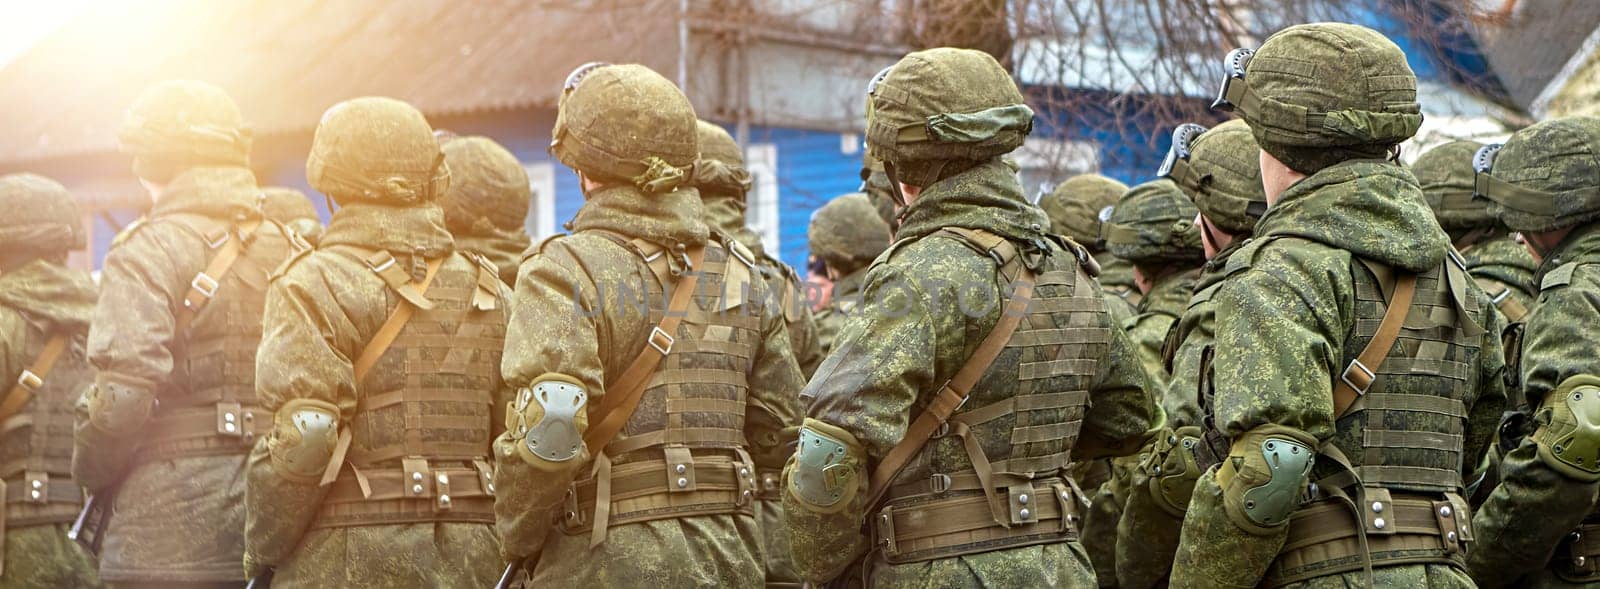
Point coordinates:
pixel 1319 94
pixel 1218 169
pixel 875 183
pixel 41 217
pixel 1546 177
pixel 487 184
pixel 626 123
pixel 942 111
pixel 1154 223
pixel 379 150
pixel 283 204
pixel 1445 173
pixel 847 233
pixel 181 124
pixel 1078 206
pixel 720 171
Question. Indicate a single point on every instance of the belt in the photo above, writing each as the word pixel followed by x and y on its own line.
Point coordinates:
pixel 1400 528
pixel 415 493
pixel 36 499
pixel 682 486
pixel 220 430
pixel 769 483
pixel 1577 559
pixel 933 525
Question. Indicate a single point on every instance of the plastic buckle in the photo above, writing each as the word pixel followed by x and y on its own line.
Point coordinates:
pixel 657 334
pixel 1357 365
pixel 939 482
pixel 218 241
pixel 204 284
pixel 29 380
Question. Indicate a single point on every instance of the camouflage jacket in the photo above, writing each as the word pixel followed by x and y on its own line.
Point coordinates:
pixel 1116 276
pixel 1284 319
pixel 504 249
pixel 560 324
pixel 1504 268
pixel 845 300
pixel 1158 310
pixel 1535 508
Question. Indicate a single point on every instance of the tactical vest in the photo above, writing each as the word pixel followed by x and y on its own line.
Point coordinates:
pixel 1397 453
pixel 419 440
pixel 36 443
pixel 995 476
pixel 209 407
pixel 682 452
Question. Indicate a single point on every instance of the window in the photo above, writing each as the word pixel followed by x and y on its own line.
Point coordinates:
pixel 541 222
pixel 761 213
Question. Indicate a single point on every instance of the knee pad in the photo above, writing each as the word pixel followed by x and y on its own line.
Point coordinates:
pixel 120 408
pixel 828 468
pixel 1569 428
pixel 548 418
pixel 304 434
pixel 1172 470
pixel 1265 476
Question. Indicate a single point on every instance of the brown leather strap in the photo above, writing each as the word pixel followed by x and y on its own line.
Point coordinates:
pixel 32 377
pixel 203 287
pixel 1360 374
pixel 623 395
pixel 954 392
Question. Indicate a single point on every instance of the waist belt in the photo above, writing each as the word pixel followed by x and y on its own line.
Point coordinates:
pixel 1325 538
pixel 922 523
pixel 680 486
pixel 416 493
pixel 35 499
pixel 769 484
pixel 1577 559
pixel 221 430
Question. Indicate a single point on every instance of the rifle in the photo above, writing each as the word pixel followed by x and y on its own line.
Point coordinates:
pixel 88 530
pixel 511 578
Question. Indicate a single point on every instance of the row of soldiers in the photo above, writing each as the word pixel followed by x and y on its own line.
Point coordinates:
pixel 1274 365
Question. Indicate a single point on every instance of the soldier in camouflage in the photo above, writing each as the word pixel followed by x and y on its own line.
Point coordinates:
pixel 378 369
pixel 488 202
pixel 982 499
pixel 1317 374
pixel 847 235
pixel 290 208
pixel 1538 527
pixel 44 317
pixel 875 184
pixel 178 322
pixel 631 448
pixel 1078 208
pixel 1501 266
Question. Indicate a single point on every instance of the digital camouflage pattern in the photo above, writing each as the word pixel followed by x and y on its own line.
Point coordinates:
pixel 1500 264
pixel 487 202
pixel 847 235
pixel 1535 509
pixel 40 297
pixel 1077 209
pixel 181 124
pixel 1153 228
pixel 291 208
pixel 875 183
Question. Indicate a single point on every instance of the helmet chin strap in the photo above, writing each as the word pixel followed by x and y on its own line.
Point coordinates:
pixel 894 184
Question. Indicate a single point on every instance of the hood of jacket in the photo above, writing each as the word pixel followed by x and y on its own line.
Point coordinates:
pixel 1372 209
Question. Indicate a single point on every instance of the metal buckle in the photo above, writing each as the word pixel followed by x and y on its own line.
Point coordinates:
pixel 387 262
pixel 204 284
pixel 217 243
pixel 1357 365
pixel 1501 297
pixel 939 482
pixel 657 332
pixel 29 380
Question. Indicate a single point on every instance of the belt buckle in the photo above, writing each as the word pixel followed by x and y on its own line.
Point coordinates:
pixel 939 482
pixel 1357 365
pixel 204 284
pixel 885 529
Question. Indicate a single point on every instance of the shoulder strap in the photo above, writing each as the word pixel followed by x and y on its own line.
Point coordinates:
pixel 1360 374
pixel 623 395
pixel 203 287
pixel 954 392
pixel 32 377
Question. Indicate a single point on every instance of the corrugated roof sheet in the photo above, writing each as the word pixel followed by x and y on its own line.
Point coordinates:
pixel 285 61
pixel 1530 48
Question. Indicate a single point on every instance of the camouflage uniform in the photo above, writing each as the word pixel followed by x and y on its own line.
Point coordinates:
pixel 1503 267
pixel 1004 494
pixel 875 184
pixel 488 202
pixel 668 502
pixel 847 236
pixel 1537 527
pixel 1077 209
pixel 41 300
pixel 179 464
pixel 1302 300
pixel 1222 177
pixel 377 478
pixel 291 208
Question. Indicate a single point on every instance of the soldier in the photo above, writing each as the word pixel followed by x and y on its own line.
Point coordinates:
pixel 380 355
pixel 1503 267
pixel 1317 374
pixel 44 316
pixel 697 378
pixel 1077 209
pixel 488 202
pixel 875 184
pixel 975 297
pixel 1537 528
pixel 847 235
pixel 162 436
pixel 1218 171
pixel 723 183
pixel 291 208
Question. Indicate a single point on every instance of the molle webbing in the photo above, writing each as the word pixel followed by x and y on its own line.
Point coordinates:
pixel 420 492
pixel 37 498
pixel 226 429
pixel 944 526
pixel 1325 538
pixel 37 436
pixel 683 485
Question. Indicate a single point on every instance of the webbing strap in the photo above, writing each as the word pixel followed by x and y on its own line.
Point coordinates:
pixel 623 395
pixel 1360 374
pixel 954 392
pixel 33 377
pixel 203 287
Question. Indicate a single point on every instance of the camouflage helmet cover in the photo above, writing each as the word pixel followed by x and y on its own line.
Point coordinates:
pixel 1079 206
pixel 940 111
pixel 180 124
pixel 1154 223
pixel 284 204
pixel 1546 177
pixel 1318 94
pixel 1445 173
pixel 376 149
pixel 487 185
pixel 720 171
pixel 847 233
pixel 1223 177
pixel 41 217
pixel 626 123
